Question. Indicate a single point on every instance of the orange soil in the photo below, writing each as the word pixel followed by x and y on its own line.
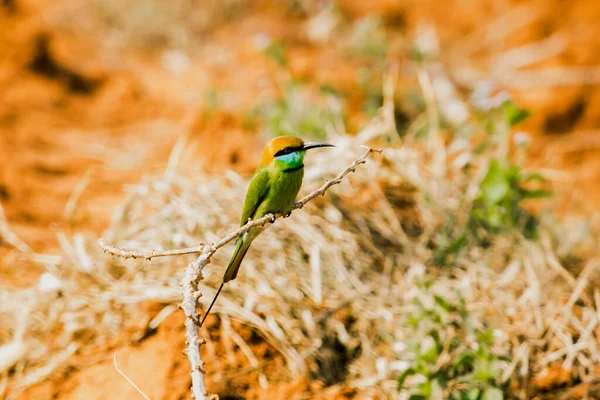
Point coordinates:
pixel 71 107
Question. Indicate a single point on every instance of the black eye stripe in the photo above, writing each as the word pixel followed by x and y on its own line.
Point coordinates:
pixel 286 150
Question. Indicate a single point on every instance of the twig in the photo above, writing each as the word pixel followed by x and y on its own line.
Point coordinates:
pixel 193 275
pixel 112 250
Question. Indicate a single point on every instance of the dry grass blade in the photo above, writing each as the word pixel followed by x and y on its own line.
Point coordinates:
pixel 8 235
pixel 127 378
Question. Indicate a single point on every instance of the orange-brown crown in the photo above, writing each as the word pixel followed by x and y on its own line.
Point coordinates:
pixel 277 144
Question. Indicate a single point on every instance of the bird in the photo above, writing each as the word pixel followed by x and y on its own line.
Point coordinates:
pixel 272 190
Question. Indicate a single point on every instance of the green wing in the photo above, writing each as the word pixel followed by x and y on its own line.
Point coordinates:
pixel 257 192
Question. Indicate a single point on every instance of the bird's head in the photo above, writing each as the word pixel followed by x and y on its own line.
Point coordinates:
pixel 288 151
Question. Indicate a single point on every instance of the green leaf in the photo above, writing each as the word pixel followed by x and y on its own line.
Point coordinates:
pixel 530 226
pixel 424 389
pixel 408 372
pixel 482 370
pixel 328 89
pixel 458 244
pixel 534 176
pixel 471 394
pixel 466 359
pixel 493 217
pixel 513 113
pixel 492 393
pixel 442 302
pixel 431 355
pixel 535 194
pixel 494 187
pixel 486 337
pixel 455 247
pixel 512 174
pixel 276 51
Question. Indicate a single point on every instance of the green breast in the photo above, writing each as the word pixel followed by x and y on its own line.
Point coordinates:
pixel 284 188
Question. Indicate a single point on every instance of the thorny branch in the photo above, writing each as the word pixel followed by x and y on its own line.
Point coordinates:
pixel 115 251
pixel 193 274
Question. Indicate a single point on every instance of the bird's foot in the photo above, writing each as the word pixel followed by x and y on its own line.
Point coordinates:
pixel 287 214
pixel 196 319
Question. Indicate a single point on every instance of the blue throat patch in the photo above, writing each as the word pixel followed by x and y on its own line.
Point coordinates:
pixel 290 162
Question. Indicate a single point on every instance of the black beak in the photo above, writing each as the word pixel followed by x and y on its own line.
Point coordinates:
pixel 314 145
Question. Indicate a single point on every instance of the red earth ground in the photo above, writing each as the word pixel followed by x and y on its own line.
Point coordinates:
pixel 73 109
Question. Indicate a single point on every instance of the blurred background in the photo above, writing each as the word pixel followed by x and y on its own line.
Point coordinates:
pixel 118 116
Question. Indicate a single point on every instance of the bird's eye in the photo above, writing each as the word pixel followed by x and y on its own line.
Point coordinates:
pixel 285 150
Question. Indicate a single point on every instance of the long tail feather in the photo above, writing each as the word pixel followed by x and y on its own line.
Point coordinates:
pixel 236 259
pixel 232 269
pixel 212 303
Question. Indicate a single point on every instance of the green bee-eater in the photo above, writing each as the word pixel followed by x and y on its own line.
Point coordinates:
pixel 273 190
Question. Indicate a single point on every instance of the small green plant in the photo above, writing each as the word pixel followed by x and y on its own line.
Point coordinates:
pixel 449 245
pixel 513 113
pixel 449 354
pixel 497 207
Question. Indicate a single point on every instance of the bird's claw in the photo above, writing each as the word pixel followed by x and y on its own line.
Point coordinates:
pixel 196 319
pixel 287 214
